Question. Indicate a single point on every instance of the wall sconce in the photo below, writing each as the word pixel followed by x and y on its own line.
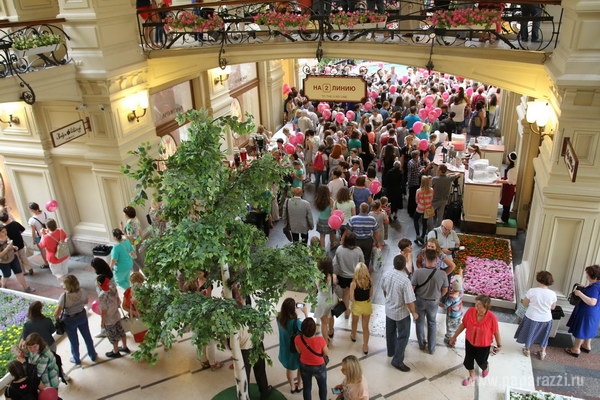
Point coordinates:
pixel 9 109
pixel 538 114
pixel 138 104
pixel 222 76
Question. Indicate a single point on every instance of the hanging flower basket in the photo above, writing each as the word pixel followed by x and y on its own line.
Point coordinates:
pixel 465 18
pixel 358 20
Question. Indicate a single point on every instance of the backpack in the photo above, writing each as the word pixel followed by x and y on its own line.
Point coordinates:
pixel 318 164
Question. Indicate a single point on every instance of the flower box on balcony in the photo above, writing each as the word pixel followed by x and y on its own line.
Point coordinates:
pixel 358 20
pixel 35 50
pixel 282 22
pixel 188 22
pixel 466 18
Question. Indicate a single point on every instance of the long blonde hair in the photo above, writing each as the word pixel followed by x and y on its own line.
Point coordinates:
pixel 425 183
pixel 362 276
pixel 352 369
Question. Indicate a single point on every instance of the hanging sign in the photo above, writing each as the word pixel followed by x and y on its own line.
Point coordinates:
pixel 352 89
pixel 570 157
pixel 69 132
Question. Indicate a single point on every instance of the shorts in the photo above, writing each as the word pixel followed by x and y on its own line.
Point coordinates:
pixel 344 282
pixel 13 266
pixel 115 332
pixel 362 307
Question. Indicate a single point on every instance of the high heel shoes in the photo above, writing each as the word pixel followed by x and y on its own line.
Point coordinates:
pixel 365 349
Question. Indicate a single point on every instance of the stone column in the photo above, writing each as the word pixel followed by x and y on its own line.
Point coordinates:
pixel 28 10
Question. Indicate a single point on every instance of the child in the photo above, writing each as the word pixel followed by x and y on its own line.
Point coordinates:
pixel 453 305
pixel 385 207
pixel 111 318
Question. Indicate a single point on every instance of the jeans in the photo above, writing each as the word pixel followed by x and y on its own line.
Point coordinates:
pixel 72 324
pixel 366 245
pixel 530 10
pixel 419 217
pixel 396 336
pixel 426 309
pixel 439 213
pixel 320 177
pixel 412 201
pixel 320 373
pixel 379 4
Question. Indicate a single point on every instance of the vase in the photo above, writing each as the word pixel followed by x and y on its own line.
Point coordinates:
pixel 35 50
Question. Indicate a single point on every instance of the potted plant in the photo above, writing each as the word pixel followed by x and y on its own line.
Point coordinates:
pixel 470 18
pixel 283 21
pixel 35 44
pixel 187 21
pixel 358 20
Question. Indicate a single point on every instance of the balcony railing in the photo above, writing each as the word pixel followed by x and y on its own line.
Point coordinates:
pixel 407 22
pixel 27 46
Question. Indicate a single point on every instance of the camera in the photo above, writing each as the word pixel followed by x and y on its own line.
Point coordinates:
pixel 299 305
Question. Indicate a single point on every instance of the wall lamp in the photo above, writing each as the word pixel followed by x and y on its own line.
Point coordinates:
pixel 11 120
pixel 138 104
pixel 222 76
pixel 538 114
pixel 9 109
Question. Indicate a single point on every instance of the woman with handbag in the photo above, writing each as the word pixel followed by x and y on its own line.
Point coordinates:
pixel 71 311
pixel 313 359
pixel 537 322
pixel 584 321
pixel 121 261
pixel 39 323
pixel 52 236
pixel 424 199
pixel 289 325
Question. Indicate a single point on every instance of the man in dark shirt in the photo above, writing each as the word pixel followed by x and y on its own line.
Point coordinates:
pixel 448 125
pixel 14 231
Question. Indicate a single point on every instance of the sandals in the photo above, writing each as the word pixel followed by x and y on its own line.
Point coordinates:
pixel 469 381
pixel 485 372
pixel 585 350
pixel 542 355
pixel 332 332
pixel 569 352
pixel 525 351
pixel 298 389
pixel 353 338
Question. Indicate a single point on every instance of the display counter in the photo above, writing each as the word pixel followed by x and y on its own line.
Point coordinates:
pixel 480 202
pixel 494 153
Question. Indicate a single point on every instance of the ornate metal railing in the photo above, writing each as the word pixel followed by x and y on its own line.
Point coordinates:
pixel 407 23
pixel 31 46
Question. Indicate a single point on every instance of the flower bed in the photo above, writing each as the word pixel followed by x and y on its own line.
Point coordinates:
pixel 14 314
pixel 489 18
pixel 486 264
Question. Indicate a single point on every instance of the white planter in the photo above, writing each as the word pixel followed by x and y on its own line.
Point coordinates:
pixel 472 27
pixel 35 50
pixel 370 25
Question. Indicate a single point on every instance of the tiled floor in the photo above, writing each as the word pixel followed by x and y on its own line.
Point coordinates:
pixel 178 374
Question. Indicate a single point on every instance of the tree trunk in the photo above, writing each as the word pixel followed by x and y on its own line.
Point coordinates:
pixel 241 380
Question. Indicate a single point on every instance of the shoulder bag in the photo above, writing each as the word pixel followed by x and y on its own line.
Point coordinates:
pixel 295 332
pixel 325 358
pixel 62 248
pixel 429 213
pixel 133 252
pixel 287 230
pixel 59 324
pixel 573 298
pixel 426 280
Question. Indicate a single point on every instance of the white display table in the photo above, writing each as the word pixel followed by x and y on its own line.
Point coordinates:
pixel 480 202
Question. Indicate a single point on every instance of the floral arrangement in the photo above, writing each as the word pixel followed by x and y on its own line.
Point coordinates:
pixel 465 16
pixel 22 42
pixel 14 314
pixel 283 21
pixel 357 17
pixel 493 278
pixel 482 247
pixel 187 20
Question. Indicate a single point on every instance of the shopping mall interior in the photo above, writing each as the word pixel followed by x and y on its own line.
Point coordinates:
pixel 69 119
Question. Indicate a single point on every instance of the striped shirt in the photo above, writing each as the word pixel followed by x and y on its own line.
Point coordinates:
pixel 363 225
pixel 424 200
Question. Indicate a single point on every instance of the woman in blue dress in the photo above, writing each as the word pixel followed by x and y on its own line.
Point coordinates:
pixel 584 321
pixel 288 324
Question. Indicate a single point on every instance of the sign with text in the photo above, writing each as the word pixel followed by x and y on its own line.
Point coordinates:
pixel 352 89
pixel 67 133
pixel 570 157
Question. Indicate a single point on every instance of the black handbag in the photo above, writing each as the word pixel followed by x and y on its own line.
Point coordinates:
pixel 295 333
pixel 573 298
pixel 338 309
pixel 59 324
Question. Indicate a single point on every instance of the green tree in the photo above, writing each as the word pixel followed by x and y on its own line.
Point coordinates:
pixel 204 203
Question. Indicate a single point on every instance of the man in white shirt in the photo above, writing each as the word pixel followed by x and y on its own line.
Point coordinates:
pixel 446 236
pixel 37 222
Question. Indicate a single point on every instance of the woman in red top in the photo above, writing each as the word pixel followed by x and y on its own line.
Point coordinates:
pixel 50 239
pixel 482 328
pixel 313 350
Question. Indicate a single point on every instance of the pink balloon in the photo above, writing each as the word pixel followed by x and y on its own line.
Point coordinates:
pixel 431 117
pixel 96 307
pixel 404 79
pixel 335 222
pixel 393 89
pixel 437 112
pixel 327 114
pixel 469 91
pixel 375 187
pixel 339 213
pixel 320 107
pixel 428 100
pixel 417 127
pixel 455 87
pixel 299 138
pixel 446 76
pixel 293 139
pixel 286 87
pixel 339 118
pixel 368 106
pixel 380 65
pixel 51 205
pixel 289 148
pixel 445 96
pixel 48 393
pixel 423 144
pixel 423 113
pixel 373 94
pixel 350 115
pixel 327 70
pixel 352 180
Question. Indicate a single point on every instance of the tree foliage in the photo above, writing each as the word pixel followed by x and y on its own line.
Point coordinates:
pixel 204 203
